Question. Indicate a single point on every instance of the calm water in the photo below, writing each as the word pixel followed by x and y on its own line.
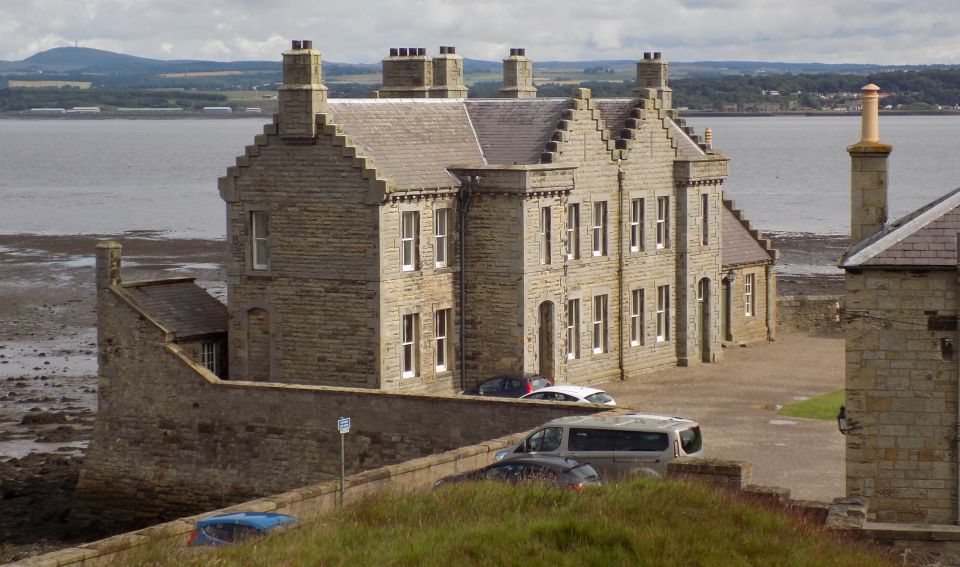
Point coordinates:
pixel 112 176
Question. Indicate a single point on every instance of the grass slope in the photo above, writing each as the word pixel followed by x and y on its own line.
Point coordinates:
pixel 655 523
pixel 824 406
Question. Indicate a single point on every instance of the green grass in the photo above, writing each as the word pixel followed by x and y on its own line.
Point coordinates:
pixel 655 523
pixel 824 406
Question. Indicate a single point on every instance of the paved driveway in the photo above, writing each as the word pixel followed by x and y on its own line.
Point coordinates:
pixel 735 402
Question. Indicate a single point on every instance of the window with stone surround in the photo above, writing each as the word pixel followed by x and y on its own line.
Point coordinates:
pixel 663 313
pixel 663 222
pixel 573 231
pixel 636 317
pixel 545 237
pixel 441 237
pixel 600 330
pixel 573 329
pixel 410 343
pixel 705 219
pixel 409 240
pixel 259 240
pixel 749 297
pixel 441 332
pixel 599 228
pixel 636 225
pixel 210 355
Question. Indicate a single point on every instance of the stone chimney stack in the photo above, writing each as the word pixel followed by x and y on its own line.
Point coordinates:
pixel 708 138
pixel 448 74
pixel 407 73
pixel 653 73
pixel 302 95
pixel 518 75
pixel 868 172
pixel 109 254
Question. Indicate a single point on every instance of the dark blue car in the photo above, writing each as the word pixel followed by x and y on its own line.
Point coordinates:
pixel 231 528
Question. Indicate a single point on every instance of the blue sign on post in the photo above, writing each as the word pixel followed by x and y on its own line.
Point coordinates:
pixel 343 424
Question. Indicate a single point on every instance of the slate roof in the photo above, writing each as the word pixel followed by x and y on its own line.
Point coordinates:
pixel 180 305
pixel 739 245
pixel 615 112
pixel 925 238
pixel 413 141
pixel 411 144
pixel 514 130
pixel 686 147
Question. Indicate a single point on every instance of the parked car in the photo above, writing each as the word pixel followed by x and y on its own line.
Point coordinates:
pixel 556 470
pixel 225 529
pixel 571 394
pixel 620 445
pixel 509 386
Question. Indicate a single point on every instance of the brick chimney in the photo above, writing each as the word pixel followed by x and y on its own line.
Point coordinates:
pixel 868 171
pixel 302 95
pixel 407 73
pixel 448 74
pixel 653 73
pixel 518 75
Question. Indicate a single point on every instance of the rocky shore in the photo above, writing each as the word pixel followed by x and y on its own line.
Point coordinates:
pixel 48 379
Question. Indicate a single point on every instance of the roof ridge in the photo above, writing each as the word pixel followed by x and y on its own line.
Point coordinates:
pixel 899 230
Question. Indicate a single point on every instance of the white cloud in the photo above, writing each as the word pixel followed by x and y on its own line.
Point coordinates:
pixel 881 31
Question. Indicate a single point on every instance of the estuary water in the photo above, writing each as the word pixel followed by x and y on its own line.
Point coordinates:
pixel 789 174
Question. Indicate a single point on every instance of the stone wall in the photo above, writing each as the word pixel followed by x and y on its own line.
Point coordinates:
pixel 809 314
pixel 307 503
pixel 901 394
pixel 171 439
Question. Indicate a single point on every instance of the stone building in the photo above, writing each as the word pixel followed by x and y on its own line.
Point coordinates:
pixel 427 243
pixel 386 247
pixel 901 332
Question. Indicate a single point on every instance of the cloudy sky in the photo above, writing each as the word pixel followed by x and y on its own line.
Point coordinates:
pixel 830 31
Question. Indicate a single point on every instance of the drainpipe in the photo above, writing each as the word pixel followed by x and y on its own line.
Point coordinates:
pixel 620 260
pixel 464 196
pixel 957 495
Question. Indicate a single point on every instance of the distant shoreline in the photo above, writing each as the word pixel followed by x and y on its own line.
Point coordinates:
pixel 106 115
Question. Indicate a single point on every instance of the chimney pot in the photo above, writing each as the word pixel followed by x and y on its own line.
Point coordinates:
pixel 402 52
pixel 708 138
pixel 656 55
pixel 295 44
pixel 422 51
pixel 308 44
pixel 443 50
pixel 513 51
pixel 411 51
pixel 646 55
pixel 393 52
pixel 451 49
pixel 522 52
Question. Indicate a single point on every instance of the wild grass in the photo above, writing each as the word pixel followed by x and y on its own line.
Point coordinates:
pixel 824 406
pixel 642 523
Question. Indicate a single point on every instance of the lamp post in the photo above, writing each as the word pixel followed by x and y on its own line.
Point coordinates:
pixel 842 420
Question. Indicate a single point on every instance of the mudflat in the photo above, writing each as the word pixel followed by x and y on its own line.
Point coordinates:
pixel 48 385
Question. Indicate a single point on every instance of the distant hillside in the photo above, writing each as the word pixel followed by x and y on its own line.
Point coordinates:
pixel 80 60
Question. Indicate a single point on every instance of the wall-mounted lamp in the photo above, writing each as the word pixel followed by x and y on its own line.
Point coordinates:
pixel 731 276
pixel 842 420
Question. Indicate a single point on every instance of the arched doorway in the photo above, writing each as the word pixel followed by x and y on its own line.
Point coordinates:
pixel 545 340
pixel 258 345
pixel 703 318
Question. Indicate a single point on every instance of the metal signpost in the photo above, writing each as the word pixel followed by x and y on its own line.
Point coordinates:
pixel 343 424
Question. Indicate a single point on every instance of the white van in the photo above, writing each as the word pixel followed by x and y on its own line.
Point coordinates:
pixel 620 445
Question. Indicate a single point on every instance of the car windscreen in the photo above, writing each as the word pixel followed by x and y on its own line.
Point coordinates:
pixel 538 382
pixel 599 398
pixel 582 472
pixel 691 440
